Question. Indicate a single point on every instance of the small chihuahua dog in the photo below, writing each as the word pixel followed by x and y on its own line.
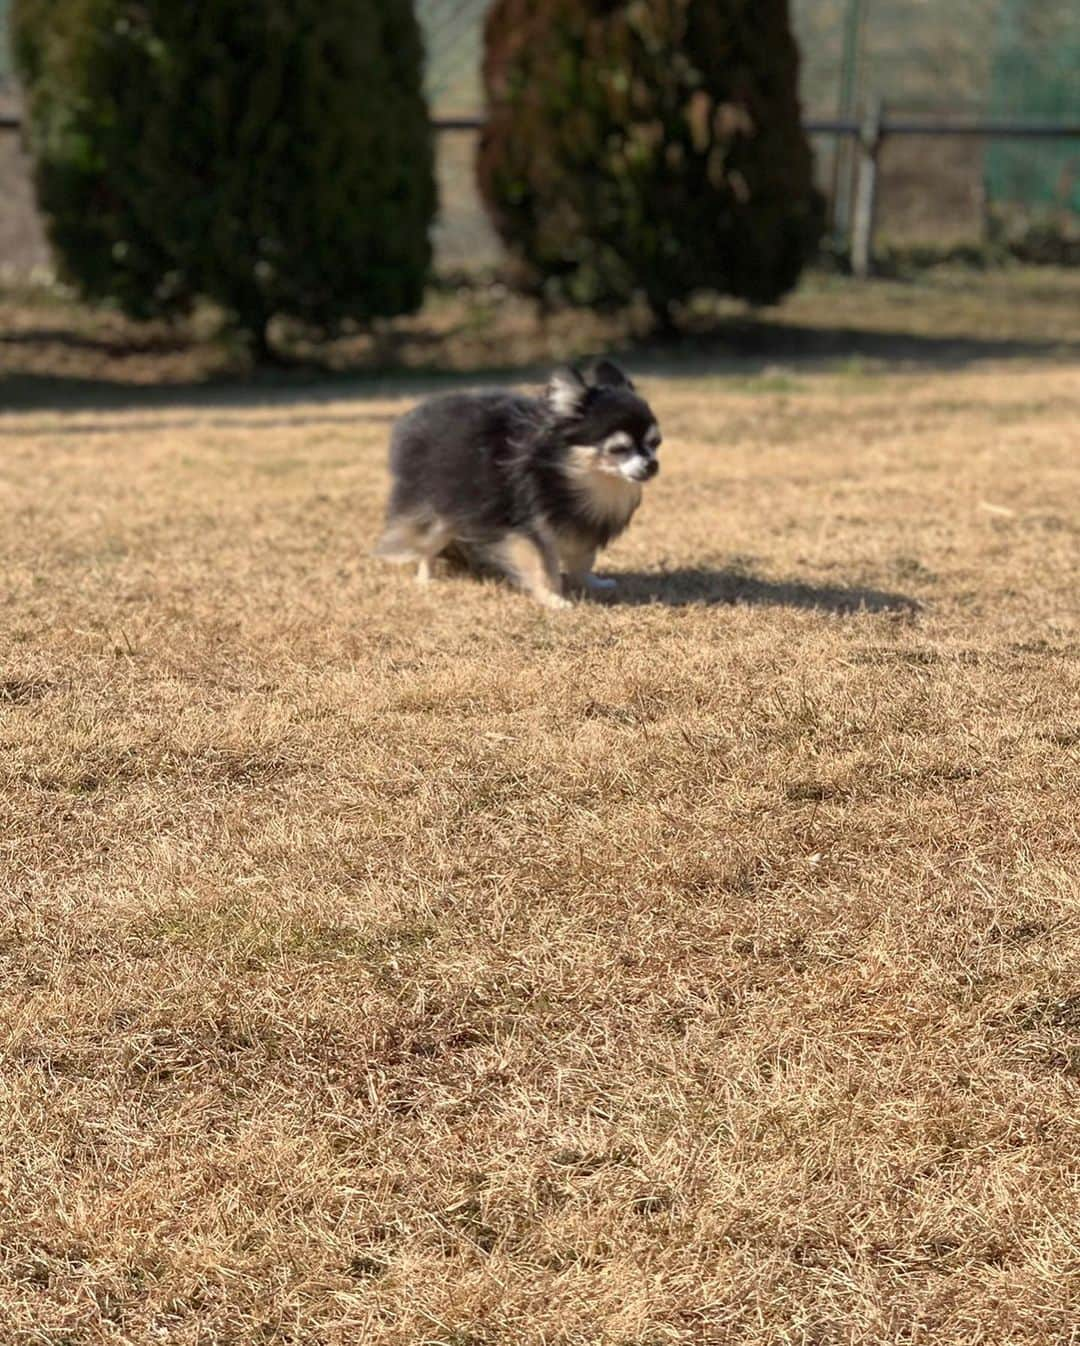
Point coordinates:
pixel 533 487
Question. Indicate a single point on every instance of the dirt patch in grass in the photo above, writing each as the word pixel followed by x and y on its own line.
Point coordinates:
pixel 398 966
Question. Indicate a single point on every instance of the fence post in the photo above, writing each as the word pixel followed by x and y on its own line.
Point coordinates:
pixel 871 136
pixel 843 166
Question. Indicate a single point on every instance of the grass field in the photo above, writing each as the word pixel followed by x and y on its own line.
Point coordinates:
pixel 392 966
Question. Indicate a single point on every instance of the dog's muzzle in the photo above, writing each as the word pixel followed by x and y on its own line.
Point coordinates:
pixel 639 468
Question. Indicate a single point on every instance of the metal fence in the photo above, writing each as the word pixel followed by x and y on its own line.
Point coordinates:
pixel 929 62
pixel 938 60
pixel 1004 62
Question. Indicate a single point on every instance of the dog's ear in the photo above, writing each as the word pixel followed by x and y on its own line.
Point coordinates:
pixel 566 392
pixel 604 374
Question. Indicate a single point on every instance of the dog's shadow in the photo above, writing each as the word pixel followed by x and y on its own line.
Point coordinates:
pixel 706 587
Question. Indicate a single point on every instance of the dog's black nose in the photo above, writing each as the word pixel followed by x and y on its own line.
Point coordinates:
pixel 653 468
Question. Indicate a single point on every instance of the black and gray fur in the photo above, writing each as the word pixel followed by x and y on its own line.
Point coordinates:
pixel 533 486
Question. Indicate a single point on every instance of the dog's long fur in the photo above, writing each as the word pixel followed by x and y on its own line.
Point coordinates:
pixel 534 486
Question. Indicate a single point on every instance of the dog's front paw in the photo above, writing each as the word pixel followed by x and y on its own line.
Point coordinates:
pixel 593 585
pixel 556 602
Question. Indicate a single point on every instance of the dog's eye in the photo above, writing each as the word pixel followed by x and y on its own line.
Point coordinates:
pixel 653 439
pixel 618 444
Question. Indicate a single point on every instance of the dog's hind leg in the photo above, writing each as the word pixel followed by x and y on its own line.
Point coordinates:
pixel 530 560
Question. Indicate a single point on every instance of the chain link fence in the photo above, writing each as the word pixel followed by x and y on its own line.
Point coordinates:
pixel 453 34
pixel 937 58
pixel 933 58
pixel 23 251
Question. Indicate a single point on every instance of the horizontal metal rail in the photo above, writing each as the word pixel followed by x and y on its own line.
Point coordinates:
pixel 980 130
pixel 466 122
pixel 838 126
pixel 815 126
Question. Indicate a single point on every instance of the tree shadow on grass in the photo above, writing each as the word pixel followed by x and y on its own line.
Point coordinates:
pixel 706 587
pixel 128 426
pixel 417 362
pixel 112 347
pixel 756 343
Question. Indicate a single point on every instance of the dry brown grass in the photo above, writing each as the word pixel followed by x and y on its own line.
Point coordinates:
pixel 387 966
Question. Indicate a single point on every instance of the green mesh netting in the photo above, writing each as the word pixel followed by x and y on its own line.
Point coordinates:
pixel 1036 77
pixel 5 50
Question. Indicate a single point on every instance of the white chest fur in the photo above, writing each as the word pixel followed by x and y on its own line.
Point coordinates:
pixel 603 495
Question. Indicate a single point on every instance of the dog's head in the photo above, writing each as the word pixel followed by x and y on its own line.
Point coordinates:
pixel 603 420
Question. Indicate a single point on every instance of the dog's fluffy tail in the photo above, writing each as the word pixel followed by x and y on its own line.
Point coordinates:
pixel 408 538
pixel 397 545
